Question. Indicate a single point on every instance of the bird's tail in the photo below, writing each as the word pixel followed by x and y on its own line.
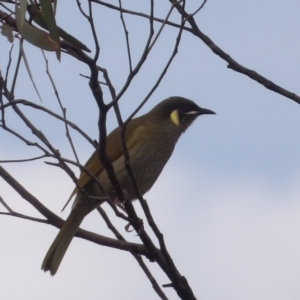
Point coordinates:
pixel 61 243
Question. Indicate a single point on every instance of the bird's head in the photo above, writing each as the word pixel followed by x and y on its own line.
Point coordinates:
pixel 179 111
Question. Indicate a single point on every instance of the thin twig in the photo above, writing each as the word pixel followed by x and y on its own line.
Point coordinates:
pixel 29 71
pixel 162 26
pixel 54 220
pixel 63 109
pixel 5 205
pixel 9 64
pixel 17 68
pixel 163 73
pixel 26 141
pixel 42 108
pixel 81 10
pixel 23 160
pixel 39 134
pixel 108 82
pixel 95 37
pixel 138 14
pixel 232 64
pixel 109 224
pixel 87 77
pixel 126 36
pixel 7 8
pixel 197 10
pixel 21 216
pixel 141 61
pixel 1 102
pixel 139 259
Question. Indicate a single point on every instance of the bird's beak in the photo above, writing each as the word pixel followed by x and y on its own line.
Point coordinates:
pixel 205 111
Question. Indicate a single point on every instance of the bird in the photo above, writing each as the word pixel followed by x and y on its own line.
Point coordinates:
pixel 150 139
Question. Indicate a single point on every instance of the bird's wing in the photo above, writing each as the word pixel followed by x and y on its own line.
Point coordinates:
pixel 114 151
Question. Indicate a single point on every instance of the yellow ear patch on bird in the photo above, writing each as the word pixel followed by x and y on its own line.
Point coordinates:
pixel 175 117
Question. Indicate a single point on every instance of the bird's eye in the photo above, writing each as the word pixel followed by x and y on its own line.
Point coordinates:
pixel 183 114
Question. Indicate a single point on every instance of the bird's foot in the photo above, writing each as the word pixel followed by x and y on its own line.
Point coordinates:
pixel 120 203
pixel 139 224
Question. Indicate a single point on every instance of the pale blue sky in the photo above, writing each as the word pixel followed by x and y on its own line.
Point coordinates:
pixel 228 202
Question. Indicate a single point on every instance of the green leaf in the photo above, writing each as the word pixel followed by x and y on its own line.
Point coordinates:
pixel 38 19
pixel 31 34
pixel 49 18
pixel 7 31
pixel 21 16
pixel 29 72
pixel 72 40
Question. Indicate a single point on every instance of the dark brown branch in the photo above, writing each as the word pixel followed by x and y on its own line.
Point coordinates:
pixel 87 77
pixel 155 285
pixel 54 220
pixel 110 226
pixel 23 160
pixel 63 109
pixel 126 36
pixel 39 134
pixel 125 149
pixel 17 69
pixel 2 87
pixel 198 9
pixel 7 8
pixel 8 20
pixel 51 113
pixel 12 213
pixel 103 109
pixel 81 10
pixel 232 64
pixel 136 256
pixel 138 14
pixel 160 77
pixel 26 141
pixel 162 27
pixel 29 198
pixel 9 64
pixel 179 283
pixel 21 216
pixel 141 61
pixel 114 103
pixel 91 20
pixel 4 90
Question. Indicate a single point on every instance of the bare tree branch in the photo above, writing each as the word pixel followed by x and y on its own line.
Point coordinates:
pixel 54 220
pixel 136 256
pixel 23 160
pixel 232 64
pixel 64 111
pixel 198 9
pixel 141 61
pixel 51 113
pixel 126 37
pixel 148 248
pixel 12 213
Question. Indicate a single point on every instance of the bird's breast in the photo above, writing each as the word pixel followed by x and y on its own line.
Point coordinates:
pixel 148 153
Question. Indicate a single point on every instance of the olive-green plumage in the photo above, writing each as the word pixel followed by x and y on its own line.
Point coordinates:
pixel 150 139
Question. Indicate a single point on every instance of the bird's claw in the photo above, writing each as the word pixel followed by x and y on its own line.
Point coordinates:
pixel 140 226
